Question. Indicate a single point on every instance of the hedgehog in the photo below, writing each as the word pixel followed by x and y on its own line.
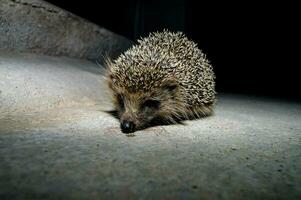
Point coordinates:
pixel 164 78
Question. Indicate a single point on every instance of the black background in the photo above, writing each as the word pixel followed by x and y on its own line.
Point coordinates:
pixel 253 46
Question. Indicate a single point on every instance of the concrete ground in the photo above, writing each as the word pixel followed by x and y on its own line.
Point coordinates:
pixel 57 143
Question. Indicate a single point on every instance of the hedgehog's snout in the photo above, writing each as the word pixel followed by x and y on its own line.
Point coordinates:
pixel 127 126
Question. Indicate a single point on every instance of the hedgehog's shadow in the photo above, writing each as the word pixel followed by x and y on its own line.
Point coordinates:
pixel 159 121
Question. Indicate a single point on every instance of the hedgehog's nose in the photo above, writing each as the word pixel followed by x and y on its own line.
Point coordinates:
pixel 127 127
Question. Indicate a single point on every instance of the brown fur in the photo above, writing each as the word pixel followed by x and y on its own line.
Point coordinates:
pixel 152 81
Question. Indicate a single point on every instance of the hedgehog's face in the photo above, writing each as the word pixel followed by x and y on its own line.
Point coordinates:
pixel 138 109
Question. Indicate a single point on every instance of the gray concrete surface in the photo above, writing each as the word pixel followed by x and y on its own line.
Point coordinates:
pixel 250 148
pixel 35 26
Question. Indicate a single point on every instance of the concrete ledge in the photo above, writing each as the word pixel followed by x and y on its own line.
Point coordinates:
pixel 35 26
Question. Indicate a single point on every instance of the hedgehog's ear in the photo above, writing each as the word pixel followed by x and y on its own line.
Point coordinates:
pixel 170 85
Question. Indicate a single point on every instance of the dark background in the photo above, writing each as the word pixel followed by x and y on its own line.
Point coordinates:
pixel 253 46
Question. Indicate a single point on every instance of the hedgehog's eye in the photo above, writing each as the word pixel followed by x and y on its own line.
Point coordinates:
pixel 151 104
pixel 170 87
pixel 120 100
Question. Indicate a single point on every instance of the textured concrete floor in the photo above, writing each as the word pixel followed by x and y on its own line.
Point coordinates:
pixel 56 143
